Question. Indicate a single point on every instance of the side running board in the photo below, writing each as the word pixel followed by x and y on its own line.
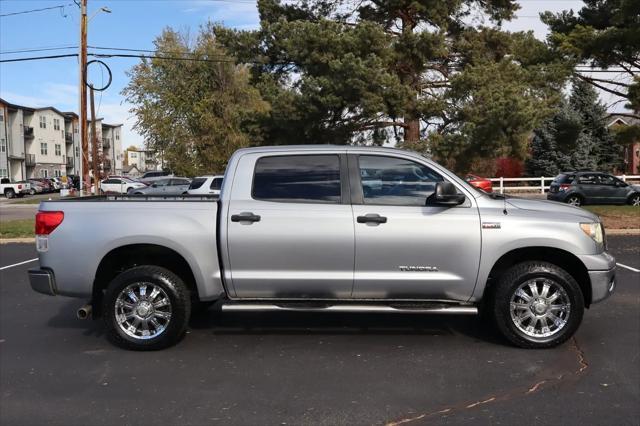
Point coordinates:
pixel 351 308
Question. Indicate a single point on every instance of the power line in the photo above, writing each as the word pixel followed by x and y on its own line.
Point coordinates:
pixel 62 6
pixel 12 52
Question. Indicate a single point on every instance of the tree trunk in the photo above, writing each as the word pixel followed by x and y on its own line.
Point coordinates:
pixel 412 131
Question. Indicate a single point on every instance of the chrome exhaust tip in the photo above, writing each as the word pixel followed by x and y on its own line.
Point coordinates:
pixel 84 312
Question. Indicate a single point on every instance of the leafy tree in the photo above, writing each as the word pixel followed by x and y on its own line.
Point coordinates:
pixel 576 137
pixel 197 112
pixel 408 71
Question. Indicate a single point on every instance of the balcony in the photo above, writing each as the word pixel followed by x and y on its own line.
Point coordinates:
pixel 30 160
pixel 70 162
pixel 106 144
pixel 106 165
pixel 28 132
pixel 68 138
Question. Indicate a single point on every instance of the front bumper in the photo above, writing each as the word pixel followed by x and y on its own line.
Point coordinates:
pixel 602 274
pixel 43 281
pixel 603 283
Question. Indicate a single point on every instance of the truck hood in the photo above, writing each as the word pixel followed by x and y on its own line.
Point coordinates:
pixel 552 207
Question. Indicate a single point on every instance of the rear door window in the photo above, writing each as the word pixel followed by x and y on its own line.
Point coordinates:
pixel 588 179
pixel 298 179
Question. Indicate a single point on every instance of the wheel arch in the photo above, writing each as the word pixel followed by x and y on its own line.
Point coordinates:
pixel 562 258
pixel 128 256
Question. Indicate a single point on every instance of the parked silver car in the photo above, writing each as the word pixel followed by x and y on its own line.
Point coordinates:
pixel 167 186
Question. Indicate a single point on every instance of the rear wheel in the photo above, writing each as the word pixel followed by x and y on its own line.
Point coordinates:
pixel 574 200
pixel 9 193
pixel 634 200
pixel 537 305
pixel 146 308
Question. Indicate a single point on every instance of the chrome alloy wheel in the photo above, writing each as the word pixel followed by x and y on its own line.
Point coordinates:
pixel 540 308
pixel 574 201
pixel 143 310
pixel 635 200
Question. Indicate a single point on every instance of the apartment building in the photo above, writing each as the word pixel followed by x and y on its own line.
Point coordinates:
pixel 45 142
pixel 145 160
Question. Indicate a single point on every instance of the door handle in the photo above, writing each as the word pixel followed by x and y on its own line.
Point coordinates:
pixel 372 218
pixel 245 217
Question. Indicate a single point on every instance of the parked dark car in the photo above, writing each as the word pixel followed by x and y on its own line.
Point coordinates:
pixel 587 187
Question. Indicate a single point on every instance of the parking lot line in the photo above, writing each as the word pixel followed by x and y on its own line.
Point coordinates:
pixel 18 264
pixel 628 267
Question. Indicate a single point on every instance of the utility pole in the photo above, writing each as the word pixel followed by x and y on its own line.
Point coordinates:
pixel 94 143
pixel 84 140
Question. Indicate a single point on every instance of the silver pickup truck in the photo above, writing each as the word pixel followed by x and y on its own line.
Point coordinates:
pixel 325 229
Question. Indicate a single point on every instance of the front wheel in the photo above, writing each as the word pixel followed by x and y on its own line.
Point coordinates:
pixel 634 200
pixel 574 200
pixel 146 308
pixel 537 305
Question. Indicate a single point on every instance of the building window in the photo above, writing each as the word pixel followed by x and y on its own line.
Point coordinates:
pixel 77 151
pixel 58 150
pixel 44 173
pixel 3 145
pixel 3 173
pixel 43 148
pixel 43 122
pixel 134 155
pixel 1 115
pixel 56 173
pixel 56 124
pixel 117 136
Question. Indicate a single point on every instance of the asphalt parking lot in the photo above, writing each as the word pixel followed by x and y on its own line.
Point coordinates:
pixel 315 369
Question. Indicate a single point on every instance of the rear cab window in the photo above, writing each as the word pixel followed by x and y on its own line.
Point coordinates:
pixel 298 179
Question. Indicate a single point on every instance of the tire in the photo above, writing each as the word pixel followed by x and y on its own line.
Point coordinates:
pixel 32 192
pixel 574 200
pixel 171 317
pixel 521 321
pixel 634 200
pixel 101 192
pixel 129 190
pixel 9 193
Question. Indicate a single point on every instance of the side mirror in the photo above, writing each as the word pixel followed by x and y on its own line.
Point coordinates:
pixel 445 194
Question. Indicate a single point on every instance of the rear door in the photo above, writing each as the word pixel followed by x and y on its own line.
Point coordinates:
pixel 589 185
pixel 404 249
pixel 290 227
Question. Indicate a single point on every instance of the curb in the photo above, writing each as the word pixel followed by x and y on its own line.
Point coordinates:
pixel 17 240
pixel 630 231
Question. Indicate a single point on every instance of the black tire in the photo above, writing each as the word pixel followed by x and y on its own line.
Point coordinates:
pixel 510 282
pixel 574 200
pixel 180 305
pixel 634 200
pixel 129 189
pixel 32 192
pixel 101 192
pixel 9 193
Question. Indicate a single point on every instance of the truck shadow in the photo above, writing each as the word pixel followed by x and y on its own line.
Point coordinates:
pixel 287 323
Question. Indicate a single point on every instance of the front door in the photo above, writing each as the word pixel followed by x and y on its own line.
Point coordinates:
pixel 290 228
pixel 404 249
pixel 614 190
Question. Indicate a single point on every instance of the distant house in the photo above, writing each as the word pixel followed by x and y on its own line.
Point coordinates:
pixel 131 171
pixel 631 151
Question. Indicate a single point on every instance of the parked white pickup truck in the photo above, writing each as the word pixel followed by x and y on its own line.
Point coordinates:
pixel 15 189
pixel 325 229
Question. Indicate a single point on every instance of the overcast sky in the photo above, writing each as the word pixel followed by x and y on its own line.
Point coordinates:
pixel 132 24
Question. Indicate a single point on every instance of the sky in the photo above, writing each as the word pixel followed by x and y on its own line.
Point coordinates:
pixel 131 24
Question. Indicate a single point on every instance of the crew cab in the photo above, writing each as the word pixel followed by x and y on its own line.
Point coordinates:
pixel 325 229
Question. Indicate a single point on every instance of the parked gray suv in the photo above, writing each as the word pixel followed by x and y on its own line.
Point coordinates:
pixel 586 187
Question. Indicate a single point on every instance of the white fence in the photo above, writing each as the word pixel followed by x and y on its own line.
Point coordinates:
pixel 541 183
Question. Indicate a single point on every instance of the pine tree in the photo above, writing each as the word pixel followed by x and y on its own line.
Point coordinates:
pixel 576 137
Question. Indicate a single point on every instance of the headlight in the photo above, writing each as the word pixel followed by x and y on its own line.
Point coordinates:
pixel 595 231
